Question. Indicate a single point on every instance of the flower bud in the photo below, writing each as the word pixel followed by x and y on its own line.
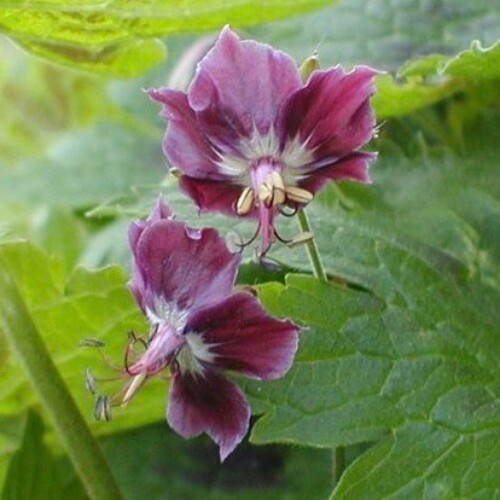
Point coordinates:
pixel 308 66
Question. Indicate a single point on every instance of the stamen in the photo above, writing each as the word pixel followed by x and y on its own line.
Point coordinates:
pixel 174 171
pixel 97 343
pixel 280 238
pixel 132 389
pixel 278 185
pixel 89 342
pixel 294 211
pixel 90 381
pixel 298 195
pixel 269 264
pixel 246 201
pixel 234 242
pixel 308 66
pixel 102 409
pixel 266 193
pixel 251 240
pixel 132 340
pixel 300 239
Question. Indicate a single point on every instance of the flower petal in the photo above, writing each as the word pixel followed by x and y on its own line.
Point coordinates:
pixel 353 167
pixel 161 211
pixel 185 144
pixel 332 113
pixel 240 86
pixel 211 196
pixel 208 403
pixel 241 336
pixel 177 264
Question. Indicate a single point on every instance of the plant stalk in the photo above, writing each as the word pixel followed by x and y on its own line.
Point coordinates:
pixel 83 450
pixel 312 248
pixel 338 453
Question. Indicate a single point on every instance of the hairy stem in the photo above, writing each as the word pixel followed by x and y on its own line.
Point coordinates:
pixel 22 335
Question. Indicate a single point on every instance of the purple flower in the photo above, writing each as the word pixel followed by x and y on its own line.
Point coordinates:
pixel 249 137
pixel 183 280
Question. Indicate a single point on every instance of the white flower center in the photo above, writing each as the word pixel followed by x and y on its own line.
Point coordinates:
pixel 294 155
pixel 166 313
pixel 192 354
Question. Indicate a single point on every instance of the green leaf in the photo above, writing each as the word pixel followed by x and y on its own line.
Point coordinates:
pixel 405 352
pixel 40 102
pixel 155 463
pixel 33 472
pixel 87 167
pixel 11 433
pixel 432 463
pixel 446 203
pixel 67 308
pixel 413 364
pixel 118 39
pixel 431 78
pixel 385 34
pixel 473 65
pixel 389 36
pixel 399 99
pixel 125 60
pixel 60 233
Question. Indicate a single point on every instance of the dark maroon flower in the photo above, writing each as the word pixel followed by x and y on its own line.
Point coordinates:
pixel 249 137
pixel 183 281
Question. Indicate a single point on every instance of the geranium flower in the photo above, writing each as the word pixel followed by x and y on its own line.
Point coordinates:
pixel 249 137
pixel 183 281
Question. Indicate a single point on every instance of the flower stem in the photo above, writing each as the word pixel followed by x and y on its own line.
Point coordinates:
pixel 21 333
pixel 338 463
pixel 312 248
pixel 338 454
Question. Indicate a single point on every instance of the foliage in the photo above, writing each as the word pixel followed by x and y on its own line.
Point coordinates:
pixel 120 40
pixel 400 358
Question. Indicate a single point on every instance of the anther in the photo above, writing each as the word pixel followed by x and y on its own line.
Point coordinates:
pixel 308 66
pixel 266 193
pixel 246 201
pixel 294 211
pixel 278 188
pixel 174 171
pixel 91 343
pixel 90 382
pixel 102 409
pixel 298 195
pixel 269 264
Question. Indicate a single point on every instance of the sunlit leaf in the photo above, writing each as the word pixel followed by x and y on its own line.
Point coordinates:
pixel 117 38
pixel 34 473
pixel 67 308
